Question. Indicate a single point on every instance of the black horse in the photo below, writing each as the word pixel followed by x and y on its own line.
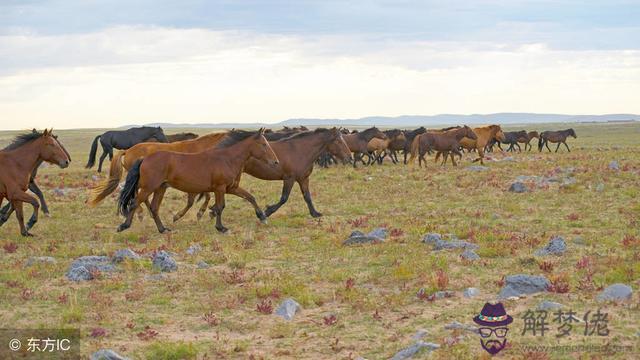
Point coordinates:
pixel 122 140
pixel 409 136
pixel 7 210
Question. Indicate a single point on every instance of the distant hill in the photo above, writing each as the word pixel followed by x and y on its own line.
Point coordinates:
pixel 419 120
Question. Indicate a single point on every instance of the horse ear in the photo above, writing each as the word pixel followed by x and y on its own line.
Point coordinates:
pixel 45 133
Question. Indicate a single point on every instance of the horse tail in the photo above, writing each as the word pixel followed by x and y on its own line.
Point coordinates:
pixel 540 142
pixel 92 153
pixel 109 185
pixel 128 193
pixel 415 146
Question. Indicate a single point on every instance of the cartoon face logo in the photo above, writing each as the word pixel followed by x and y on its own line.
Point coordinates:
pixel 493 321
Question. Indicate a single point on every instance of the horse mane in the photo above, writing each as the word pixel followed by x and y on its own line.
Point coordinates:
pixel 363 134
pixel 392 133
pixel 306 133
pixel 23 139
pixel 451 128
pixel 234 137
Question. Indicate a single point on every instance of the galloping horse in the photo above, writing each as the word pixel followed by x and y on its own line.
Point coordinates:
pixel 215 170
pixel 409 136
pixel 125 159
pixel 18 162
pixel 376 148
pixel 358 141
pixel 122 140
pixel 484 134
pixel 7 210
pixel 559 137
pixel 181 136
pixel 296 155
pixel 444 141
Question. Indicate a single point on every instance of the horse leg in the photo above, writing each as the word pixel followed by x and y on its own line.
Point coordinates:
pixel 304 188
pixel 158 195
pixel 142 196
pixel 287 184
pixel 205 204
pixel 519 148
pixel 191 198
pixel 217 210
pixel 5 212
pixel 558 147
pixel 17 199
pixel 567 146
pixel 238 191
pixel 36 190
pixel 546 143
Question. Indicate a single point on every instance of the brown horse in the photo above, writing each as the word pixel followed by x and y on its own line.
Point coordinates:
pixel 181 136
pixel 376 148
pixel 484 135
pixel 446 141
pixel 18 161
pixel 215 170
pixel 125 159
pixel 526 139
pixel 358 141
pixel 296 155
pixel 559 137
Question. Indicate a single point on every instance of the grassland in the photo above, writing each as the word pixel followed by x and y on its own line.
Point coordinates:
pixel 371 289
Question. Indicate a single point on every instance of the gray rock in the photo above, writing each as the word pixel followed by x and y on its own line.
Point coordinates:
pixel 613 165
pixel 549 305
pixel 123 254
pixel 444 294
pixel 380 233
pixel 107 354
pixel 163 261
pixel 471 292
pixel 83 267
pixel 420 334
pixel 439 244
pixel 477 168
pixel 518 187
pixel 470 255
pixel 358 237
pixel 568 181
pixel 356 233
pixel 616 292
pixel 518 285
pixel 40 260
pixel 578 240
pixel 556 246
pixel 431 238
pixel 414 349
pixel 202 265
pixel 458 326
pixel 194 248
pixel 287 309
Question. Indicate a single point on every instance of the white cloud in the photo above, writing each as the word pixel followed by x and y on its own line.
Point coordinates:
pixel 129 75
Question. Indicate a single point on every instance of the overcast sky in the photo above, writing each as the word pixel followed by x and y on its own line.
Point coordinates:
pixel 106 63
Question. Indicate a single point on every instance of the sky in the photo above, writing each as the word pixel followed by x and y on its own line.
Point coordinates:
pixel 107 63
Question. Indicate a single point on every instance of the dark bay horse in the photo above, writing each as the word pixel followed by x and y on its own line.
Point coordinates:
pixel 446 141
pixel 511 138
pixel 357 142
pixel 122 140
pixel 296 155
pixel 181 136
pixel 216 170
pixel 18 162
pixel 527 140
pixel 559 137
pixel 409 135
pixel 378 148
pixel 7 210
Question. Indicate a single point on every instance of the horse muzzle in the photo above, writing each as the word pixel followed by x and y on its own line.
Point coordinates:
pixel 64 164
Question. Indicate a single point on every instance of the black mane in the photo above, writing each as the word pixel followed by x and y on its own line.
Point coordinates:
pixel 23 139
pixel 306 133
pixel 234 137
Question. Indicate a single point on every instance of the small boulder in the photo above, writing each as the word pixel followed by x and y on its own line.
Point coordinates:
pixel 521 284
pixel 380 233
pixel 518 187
pixel 107 354
pixel 164 262
pixel 556 246
pixel 123 254
pixel 549 305
pixel 615 292
pixel 287 309
pixel 420 334
pixel 357 237
pixel 84 267
pixel 414 349
pixel 202 265
pixel 193 249
pixel 439 244
pixel 444 294
pixel 458 326
pixel 40 260
pixel 471 292
pixel 613 165
pixel 477 168
pixel 470 255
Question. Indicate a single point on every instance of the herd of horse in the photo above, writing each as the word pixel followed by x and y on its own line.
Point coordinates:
pixel 214 163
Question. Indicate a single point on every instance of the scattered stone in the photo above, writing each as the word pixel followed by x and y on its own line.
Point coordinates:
pixel 287 309
pixel 59 192
pixel 615 292
pixel 420 334
pixel 477 168
pixel 358 237
pixel 95 177
pixel 521 284
pixel 202 265
pixel 84 267
pixel 194 248
pixel 458 326
pixel 549 305
pixel 556 246
pixel 379 233
pixel 567 182
pixel 123 254
pixel 444 294
pixel 164 262
pixel 470 255
pixel 613 165
pixel 471 292
pixel 518 187
pixel 414 349
pixel 439 244
pixel 40 260
pixel 107 354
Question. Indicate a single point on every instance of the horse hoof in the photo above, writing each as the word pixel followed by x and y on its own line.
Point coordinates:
pixel 316 215
pixel 263 221
pixel 26 234
pixel 165 231
pixel 121 228
pixel 222 229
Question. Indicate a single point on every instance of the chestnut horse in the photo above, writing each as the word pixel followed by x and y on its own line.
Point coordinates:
pixel 377 148
pixel 559 137
pixel 215 170
pixel 18 161
pixel 445 141
pixel 358 142
pixel 484 134
pixel 125 159
pixel 409 135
